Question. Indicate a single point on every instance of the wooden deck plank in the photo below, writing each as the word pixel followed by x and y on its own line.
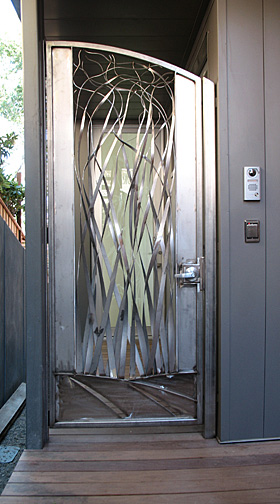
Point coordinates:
pixel 173 468
pixel 146 465
pixel 142 454
pixel 155 445
pixel 127 487
pixel 267 496
pixel 148 476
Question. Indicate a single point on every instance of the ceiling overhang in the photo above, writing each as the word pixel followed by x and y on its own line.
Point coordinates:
pixel 162 29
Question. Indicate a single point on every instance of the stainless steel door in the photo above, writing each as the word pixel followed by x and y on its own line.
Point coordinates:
pixel 125 216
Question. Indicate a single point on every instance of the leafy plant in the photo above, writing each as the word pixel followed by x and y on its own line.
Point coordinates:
pixel 11 108
pixel 11 191
pixel 11 91
pixel 13 52
pixel 7 142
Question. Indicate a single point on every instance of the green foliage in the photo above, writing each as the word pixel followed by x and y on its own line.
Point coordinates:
pixel 11 108
pixel 11 90
pixel 11 103
pixel 7 142
pixel 13 54
pixel 11 192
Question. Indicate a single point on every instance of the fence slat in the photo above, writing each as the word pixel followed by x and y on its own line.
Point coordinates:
pixel 11 222
pixel 12 333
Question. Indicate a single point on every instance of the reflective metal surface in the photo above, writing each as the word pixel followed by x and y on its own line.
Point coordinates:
pixel 210 258
pixel 126 185
pixel 61 209
pixel 187 208
pixel 137 150
pixel 90 398
pixel 191 273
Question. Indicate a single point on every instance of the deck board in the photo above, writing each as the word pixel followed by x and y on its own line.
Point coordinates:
pixel 89 466
pixel 240 497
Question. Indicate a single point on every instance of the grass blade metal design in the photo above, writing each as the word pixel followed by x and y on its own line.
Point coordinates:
pixel 124 123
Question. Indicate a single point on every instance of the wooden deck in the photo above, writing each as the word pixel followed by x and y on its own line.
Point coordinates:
pixel 125 465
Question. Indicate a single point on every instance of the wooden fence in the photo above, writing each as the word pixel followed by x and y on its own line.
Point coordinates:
pixel 12 333
pixel 11 222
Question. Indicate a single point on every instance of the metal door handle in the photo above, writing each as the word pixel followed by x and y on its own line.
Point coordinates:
pixel 191 273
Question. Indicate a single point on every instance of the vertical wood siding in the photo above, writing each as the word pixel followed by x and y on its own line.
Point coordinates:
pixel 12 335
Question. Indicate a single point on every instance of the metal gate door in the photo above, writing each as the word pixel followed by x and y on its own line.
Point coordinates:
pixel 126 237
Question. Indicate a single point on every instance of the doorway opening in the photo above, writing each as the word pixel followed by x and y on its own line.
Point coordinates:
pixel 126 250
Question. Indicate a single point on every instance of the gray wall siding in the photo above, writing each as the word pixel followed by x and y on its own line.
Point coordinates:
pixel 246 261
pixel 272 123
pixel 12 335
pixel 248 132
pixel 223 226
pixel 235 63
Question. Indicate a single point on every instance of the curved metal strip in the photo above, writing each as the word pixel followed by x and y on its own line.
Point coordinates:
pixel 132 55
pixel 126 188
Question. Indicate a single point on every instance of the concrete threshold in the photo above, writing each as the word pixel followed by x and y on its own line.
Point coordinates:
pixel 11 409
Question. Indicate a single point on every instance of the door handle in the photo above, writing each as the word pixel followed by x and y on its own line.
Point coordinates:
pixel 191 273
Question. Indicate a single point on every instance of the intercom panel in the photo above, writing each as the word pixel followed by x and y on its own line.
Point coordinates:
pixel 252 183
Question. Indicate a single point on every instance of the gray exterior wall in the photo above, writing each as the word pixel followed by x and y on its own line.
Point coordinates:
pixel 243 48
pixel 243 52
pixel 242 265
pixel 272 151
pixel 248 135
pixel 12 335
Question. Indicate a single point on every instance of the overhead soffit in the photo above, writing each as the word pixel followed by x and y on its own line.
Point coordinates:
pixel 163 29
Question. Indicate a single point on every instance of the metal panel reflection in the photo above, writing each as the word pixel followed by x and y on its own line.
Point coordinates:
pixel 126 185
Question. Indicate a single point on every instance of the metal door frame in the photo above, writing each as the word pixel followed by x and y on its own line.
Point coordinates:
pixel 205 222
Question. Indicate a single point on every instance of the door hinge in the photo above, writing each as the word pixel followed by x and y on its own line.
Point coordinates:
pixel 191 272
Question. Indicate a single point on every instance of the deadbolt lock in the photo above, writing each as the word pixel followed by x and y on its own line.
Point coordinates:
pixel 191 273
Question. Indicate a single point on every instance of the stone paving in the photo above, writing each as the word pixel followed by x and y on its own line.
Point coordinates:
pixel 15 437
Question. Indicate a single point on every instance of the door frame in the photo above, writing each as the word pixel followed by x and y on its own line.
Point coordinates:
pixel 206 221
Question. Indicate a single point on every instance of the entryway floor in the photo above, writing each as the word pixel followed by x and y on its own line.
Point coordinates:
pixel 132 466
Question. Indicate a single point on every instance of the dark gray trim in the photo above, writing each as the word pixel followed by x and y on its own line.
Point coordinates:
pixel 223 283
pixel 17 6
pixel 36 398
